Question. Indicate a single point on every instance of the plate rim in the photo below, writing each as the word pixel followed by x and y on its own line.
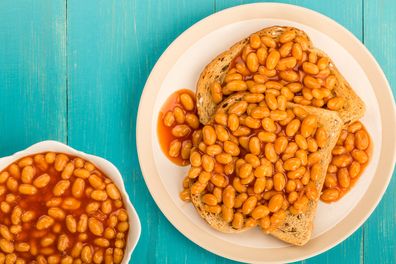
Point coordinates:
pixel 211 23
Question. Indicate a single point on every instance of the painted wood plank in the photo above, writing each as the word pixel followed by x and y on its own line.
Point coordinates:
pixel 32 73
pixel 111 50
pixel 380 39
pixel 348 14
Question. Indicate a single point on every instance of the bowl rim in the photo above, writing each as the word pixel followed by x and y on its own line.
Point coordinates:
pixel 278 11
pixel 59 147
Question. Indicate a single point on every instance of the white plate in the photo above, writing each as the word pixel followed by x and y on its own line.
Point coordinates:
pixel 105 166
pixel 180 66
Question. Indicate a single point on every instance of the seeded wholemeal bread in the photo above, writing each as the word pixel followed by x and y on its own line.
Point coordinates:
pixel 217 69
pixel 296 229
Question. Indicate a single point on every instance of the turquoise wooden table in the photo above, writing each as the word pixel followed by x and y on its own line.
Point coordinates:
pixel 73 71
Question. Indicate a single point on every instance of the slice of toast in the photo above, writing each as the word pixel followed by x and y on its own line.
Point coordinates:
pixel 216 70
pixel 296 229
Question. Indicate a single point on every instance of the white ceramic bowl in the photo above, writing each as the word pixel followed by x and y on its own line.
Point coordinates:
pixel 105 166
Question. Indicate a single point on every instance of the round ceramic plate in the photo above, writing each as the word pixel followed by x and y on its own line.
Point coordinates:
pixel 180 66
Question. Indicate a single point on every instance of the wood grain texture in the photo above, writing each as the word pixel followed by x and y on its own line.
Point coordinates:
pixel 32 73
pixel 380 39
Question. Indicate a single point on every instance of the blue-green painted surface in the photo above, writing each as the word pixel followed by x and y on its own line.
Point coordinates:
pixel 74 70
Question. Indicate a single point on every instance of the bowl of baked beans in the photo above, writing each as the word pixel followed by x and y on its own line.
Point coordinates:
pixel 60 205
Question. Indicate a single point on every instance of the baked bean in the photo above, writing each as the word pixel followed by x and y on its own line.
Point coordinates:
pixel 254 145
pixel 278 115
pixel 186 149
pixel 56 213
pixel 286 63
pixel 280 144
pixel 313 158
pixel 296 174
pixel 342 161
pixel 44 222
pixel 285 49
pixel 70 203
pixel 354 169
pixel 14 171
pixel 86 254
pixel 293 127
pixel 361 139
pixel 249 205
pixel 335 103
pixel 213 150
pixel 209 199
pixel 60 162
pixel 192 121
pixel 360 156
pixel 310 68
pixel 321 137
pixel 355 127
pixel 233 122
pixel 252 122
pixel 41 181
pixel 301 203
pixel 330 195
pixel 259 185
pixel 301 142
pixel 12 184
pixel 4 176
pixel 330 180
pixel 343 177
pixel 245 170
pixel 179 115
pixel 195 159
pixel 208 163
pixel 239 187
pixel 261 55
pixel 349 142
pixel 218 180
pixel 252 62
pixel 236 85
pixel 308 125
pixel 187 101
pixel 268 124
pixel 279 181
pixel 61 187
pixel 169 119
pixel 209 135
pixel 5 207
pixel 28 173
pixel 275 203
pixel 215 89
pixel 311 82
pixel 272 59
pixel 177 131
pixel 27 189
pixel 292 164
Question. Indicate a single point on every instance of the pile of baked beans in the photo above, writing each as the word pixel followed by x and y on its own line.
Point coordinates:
pixel 57 208
pixel 259 159
pixel 350 156
pixel 252 164
pixel 284 67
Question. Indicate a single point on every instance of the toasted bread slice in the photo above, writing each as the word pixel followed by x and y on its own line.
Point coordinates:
pixel 217 69
pixel 297 229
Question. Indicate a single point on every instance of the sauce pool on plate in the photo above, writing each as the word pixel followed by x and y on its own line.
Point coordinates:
pixel 177 122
